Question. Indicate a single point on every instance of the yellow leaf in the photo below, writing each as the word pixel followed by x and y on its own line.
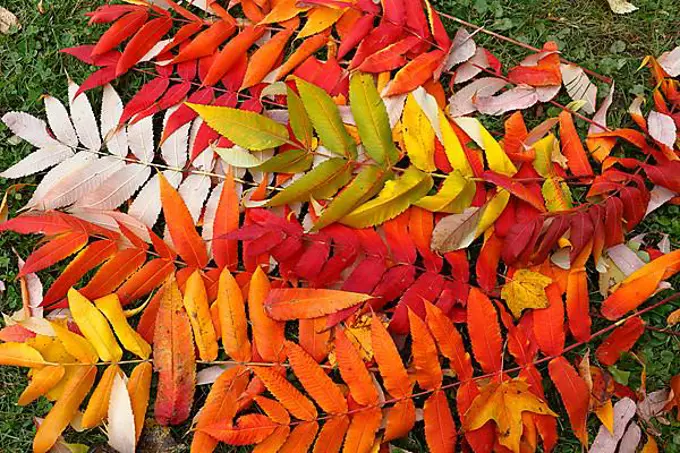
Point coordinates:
pixel 129 338
pixel 504 403
pixel 605 413
pixel 42 381
pixel 673 318
pixel 453 148
pixel 496 158
pixel 544 150
pixel 319 19
pixel 54 351
pixel 393 199
pixel 492 210
pixel 94 327
pixel 98 406
pixel 198 309
pixel 418 136
pixel 454 196
pixel 284 10
pixel 525 290
pixel 75 344
pixel 557 195
pixel 20 354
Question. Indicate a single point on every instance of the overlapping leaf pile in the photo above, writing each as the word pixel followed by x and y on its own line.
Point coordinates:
pixel 322 220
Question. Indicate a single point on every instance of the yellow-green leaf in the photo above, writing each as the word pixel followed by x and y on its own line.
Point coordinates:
pixel 129 338
pixel 557 195
pixel 318 183
pixel 544 150
pixel 371 119
pixel 94 327
pixel 496 158
pixel 395 198
pixel 291 161
pixel 299 120
pixel 526 289
pixel 418 136
pixel 326 119
pixel 249 130
pixel 363 187
pixel 454 196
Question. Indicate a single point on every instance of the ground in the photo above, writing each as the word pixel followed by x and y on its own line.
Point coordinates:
pixel 586 31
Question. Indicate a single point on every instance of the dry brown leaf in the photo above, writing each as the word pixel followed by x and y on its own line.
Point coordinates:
pixel 8 21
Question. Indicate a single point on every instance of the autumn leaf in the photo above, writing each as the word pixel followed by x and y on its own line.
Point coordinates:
pixel 525 290
pixel 505 403
pixel 289 304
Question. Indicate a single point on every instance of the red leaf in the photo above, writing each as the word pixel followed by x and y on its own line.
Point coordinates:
pixel 358 32
pixel 174 359
pixel 427 287
pixel 575 395
pixel 487 263
pixel 401 244
pixel 549 323
pixel 516 188
pixel 578 305
pixel 143 42
pixel 572 148
pixel 485 333
pixel 581 232
pixel 125 27
pixel 97 79
pixel 391 57
pixel 144 98
pixel 54 251
pixel 188 243
pixel 225 251
pixel 619 341
pixel 379 37
pixel 420 227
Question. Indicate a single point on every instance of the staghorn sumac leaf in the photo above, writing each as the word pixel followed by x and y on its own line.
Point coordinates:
pixel 361 433
pixel 206 42
pixel 572 148
pixel 316 183
pixel 231 54
pixel 449 341
pixel 517 189
pixel 225 251
pixel 416 73
pixel 574 393
pixel 249 429
pixel 264 59
pixel 198 310
pixel 549 322
pixel 20 354
pixel 54 251
pixel 399 420
pixel 139 386
pixel 174 358
pixel 98 405
pixel 389 362
pixel 295 402
pixel 268 333
pixel 307 303
pixel 353 370
pixel 425 355
pixel 232 313
pixel 315 381
pixel 148 278
pixel 301 438
pixel 113 311
pixel 332 435
pixel 485 333
pixel 78 346
pixel 143 41
pixel 440 428
pixel 94 327
pixel 41 382
pixel 621 340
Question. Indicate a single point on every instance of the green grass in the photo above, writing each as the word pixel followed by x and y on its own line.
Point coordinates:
pixel 586 31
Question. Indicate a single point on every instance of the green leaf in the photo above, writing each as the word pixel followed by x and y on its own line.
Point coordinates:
pixel 325 117
pixel 454 196
pixel 314 183
pixel 299 120
pixel 371 119
pixel 395 198
pixel 291 161
pixel 367 183
pixel 249 130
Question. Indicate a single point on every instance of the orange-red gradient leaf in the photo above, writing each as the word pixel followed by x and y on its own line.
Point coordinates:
pixel 291 398
pixel 572 148
pixel 225 251
pixel 249 429
pixel 332 435
pixel 440 429
pixel 306 303
pixel 387 356
pixel 361 433
pixel 232 314
pixel 400 420
pixel 353 370
pixel 425 356
pixel 449 340
pixel 485 332
pixel 575 395
pixel 621 340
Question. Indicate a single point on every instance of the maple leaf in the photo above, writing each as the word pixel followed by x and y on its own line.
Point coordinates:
pixel 525 290
pixel 504 403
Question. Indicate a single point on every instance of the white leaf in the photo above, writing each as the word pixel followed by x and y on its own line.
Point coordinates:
pixel 112 110
pixel 460 103
pixel 209 375
pixel 625 259
pixel 121 419
pixel 60 121
pixel 471 68
pixel 194 190
pixel 533 59
pixel 82 182
pixel 174 149
pixel 545 94
pixel 83 118
pixel 117 188
pixel 29 128
pixel 631 440
pixel 238 157
pixel 621 6
pixel 635 109
pixel 39 160
pixel 34 288
pixel 579 87
pixel 462 49
pixel 394 105
pixel 456 231
pixel 662 128
pixel 140 139
pixel 147 205
pixel 601 114
pixel 155 50
pixel 59 172
pixel 659 196
pixel 518 98
pixel 606 442
pixel 670 62
pixel 664 244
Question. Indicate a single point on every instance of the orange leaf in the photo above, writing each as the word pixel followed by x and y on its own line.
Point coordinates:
pixel 304 51
pixel 225 251
pixel 313 336
pixel 572 148
pixel 400 420
pixel 61 414
pixel 301 438
pixel 232 315
pixel 578 305
pixel 314 379
pixel 42 381
pixel 425 356
pixel 249 429
pixel 391 368
pixel 291 398
pixel 114 272
pixel 440 429
pixel 198 310
pixel 619 341
pixel 449 340
pixel 485 333
pixel 174 358
pixel 220 406
pixel 20 354
pixel 138 387
pixel 264 59
pixel 575 395
pixel 415 73
pixel 549 323
pixel 275 441
pixel 231 53
pixel 187 242
pixel 98 406
pixel 305 303
pixel 206 42
pixel 54 251
pixel 268 334
pixel 361 433
pixel 332 434
pixel 353 371
pixel 273 409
